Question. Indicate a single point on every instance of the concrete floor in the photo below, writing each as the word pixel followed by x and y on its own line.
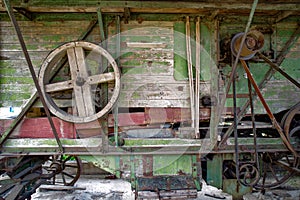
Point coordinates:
pixel 96 188
pixel 93 188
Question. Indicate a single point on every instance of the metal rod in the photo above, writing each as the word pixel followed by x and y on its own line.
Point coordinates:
pixel 118 53
pixel 31 68
pixel 198 71
pixel 235 125
pixel 267 108
pixel 277 68
pixel 253 124
pixel 89 29
pixel 287 46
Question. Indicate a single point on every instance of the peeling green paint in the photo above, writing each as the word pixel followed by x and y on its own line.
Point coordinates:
pixel 172 164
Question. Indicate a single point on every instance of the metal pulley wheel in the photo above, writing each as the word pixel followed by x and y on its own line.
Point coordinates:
pixel 248 174
pixel 65 169
pixel 85 66
pixel 279 167
pixel 291 125
pixel 254 41
pixel 276 169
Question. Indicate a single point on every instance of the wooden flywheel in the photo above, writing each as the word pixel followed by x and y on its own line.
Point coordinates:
pixel 74 73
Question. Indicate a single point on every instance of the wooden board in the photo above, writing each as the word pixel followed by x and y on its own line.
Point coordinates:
pixel 39 128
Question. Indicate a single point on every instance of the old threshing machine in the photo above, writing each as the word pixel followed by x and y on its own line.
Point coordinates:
pixel 163 94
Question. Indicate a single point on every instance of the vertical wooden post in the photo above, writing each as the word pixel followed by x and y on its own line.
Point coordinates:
pixel 190 69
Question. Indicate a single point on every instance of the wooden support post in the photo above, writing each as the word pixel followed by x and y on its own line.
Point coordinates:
pixel 190 69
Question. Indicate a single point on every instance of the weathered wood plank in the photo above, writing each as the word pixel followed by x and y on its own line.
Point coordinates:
pixel 39 128
pixel 80 105
pixel 18 55
pixel 160 94
pixel 158 24
pixel 34 46
pixel 157 6
pixel 154 103
pixel 60 86
pixel 50 38
pixel 87 94
pixel 146 44
pixel 47 24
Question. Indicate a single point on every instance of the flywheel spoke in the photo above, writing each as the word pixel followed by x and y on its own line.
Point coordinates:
pixel 79 74
pixel 69 175
pixel 273 172
pixel 60 86
pixel 101 78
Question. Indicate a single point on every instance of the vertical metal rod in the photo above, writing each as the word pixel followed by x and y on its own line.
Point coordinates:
pixel 190 68
pixel 31 68
pixel 118 52
pixel 235 125
pixel 198 71
pixel 253 124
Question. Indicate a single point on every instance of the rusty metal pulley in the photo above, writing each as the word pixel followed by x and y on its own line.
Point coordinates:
pixel 253 43
pixel 88 66
pixel 63 169
pixel 248 174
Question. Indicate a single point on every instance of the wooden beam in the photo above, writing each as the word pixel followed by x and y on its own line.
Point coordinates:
pixel 152 6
